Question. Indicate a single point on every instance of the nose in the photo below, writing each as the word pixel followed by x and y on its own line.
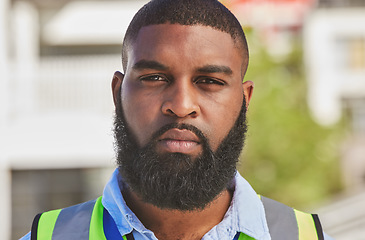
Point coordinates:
pixel 181 101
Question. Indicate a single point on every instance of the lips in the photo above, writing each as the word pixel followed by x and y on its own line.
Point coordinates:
pixel 179 140
pixel 179 135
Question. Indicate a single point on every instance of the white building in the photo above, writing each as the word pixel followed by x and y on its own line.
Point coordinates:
pixel 334 45
pixel 334 48
pixel 57 59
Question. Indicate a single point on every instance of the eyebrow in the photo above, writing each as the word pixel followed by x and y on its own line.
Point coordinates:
pixel 215 69
pixel 149 64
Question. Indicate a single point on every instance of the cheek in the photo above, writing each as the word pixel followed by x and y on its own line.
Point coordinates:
pixel 141 114
pixel 221 118
pixel 140 119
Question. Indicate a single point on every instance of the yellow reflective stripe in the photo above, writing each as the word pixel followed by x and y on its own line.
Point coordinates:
pixel 243 236
pixel 306 226
pixel 125 238
pixel 46 224
pixel 96 231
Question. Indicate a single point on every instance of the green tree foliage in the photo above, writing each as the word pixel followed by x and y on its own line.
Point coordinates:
pixel 287 157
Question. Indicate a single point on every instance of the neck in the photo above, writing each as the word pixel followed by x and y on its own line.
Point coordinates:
pixel 176 224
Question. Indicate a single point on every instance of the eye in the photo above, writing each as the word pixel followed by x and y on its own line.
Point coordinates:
pixel 208 80
pixel 153 78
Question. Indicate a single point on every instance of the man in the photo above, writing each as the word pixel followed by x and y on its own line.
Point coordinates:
pixel 179 127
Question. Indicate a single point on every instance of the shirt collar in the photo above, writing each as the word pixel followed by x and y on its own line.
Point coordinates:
pixel 247 210
pixel 246 213
pixel 114 202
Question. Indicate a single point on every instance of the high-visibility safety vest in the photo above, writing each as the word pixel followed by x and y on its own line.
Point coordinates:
pixel 85 222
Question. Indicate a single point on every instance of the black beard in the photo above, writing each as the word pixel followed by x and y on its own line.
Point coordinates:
pixel 175 180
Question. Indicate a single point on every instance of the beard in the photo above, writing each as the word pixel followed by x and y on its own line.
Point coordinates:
pixel 177 181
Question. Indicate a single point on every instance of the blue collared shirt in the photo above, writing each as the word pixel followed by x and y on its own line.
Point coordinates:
pixel 248 216
pixel 246 213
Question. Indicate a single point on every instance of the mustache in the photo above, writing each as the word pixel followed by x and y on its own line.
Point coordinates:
pixel 181 126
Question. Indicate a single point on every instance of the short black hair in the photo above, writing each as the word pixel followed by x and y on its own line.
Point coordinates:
pixel 210 13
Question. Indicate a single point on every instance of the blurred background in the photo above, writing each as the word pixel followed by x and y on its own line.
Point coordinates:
pixel 306 139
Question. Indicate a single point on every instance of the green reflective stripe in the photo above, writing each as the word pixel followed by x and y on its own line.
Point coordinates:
pixel 245 237
pixel 96 224
pixel 125 238
pixel 47 222
pixel 306 226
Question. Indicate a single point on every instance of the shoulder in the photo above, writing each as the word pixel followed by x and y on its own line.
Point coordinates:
pixel 69 219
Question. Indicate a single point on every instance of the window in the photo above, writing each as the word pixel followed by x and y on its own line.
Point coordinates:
pixel 35 191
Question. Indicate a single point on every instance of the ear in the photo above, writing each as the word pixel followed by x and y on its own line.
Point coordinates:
pixel 116 85
pixel 247 91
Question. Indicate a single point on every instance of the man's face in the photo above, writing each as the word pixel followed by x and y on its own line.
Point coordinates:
pixel 185 74
pixel 188 78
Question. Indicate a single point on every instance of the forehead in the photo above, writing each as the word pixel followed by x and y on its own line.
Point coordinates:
pixel 196 43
